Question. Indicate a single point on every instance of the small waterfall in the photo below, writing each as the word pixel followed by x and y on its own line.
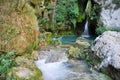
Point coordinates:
pixel 86 31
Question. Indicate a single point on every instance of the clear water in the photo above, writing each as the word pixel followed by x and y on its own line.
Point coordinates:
pixel 68 39
pixel 72 39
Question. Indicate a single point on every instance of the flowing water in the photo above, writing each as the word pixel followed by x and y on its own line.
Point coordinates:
pixel 55 66
pixel 86 31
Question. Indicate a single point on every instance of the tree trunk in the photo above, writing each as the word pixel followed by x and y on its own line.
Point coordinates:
pixel 53 14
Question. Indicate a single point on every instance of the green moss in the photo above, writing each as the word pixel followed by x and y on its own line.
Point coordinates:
pixel 101 30
pixel 73 53
pixel 49 38
pixel 16 27
pixel 32 46
pixel 37 76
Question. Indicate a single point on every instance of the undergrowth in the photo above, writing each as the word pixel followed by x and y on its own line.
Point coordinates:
pixel 6 63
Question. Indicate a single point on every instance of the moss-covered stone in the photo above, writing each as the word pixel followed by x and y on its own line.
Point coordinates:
pixel 25 69
pixel 82 43
pixel 80 49
pixel 73 52
pixel 18 26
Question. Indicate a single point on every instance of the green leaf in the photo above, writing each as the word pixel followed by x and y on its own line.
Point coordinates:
pixel 81 17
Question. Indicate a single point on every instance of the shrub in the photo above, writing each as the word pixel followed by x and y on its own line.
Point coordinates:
pixel 114 29
pixel 117 2
pixel 100 30
pixel 6 62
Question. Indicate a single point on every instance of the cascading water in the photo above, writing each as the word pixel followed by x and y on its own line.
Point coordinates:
pixel 54 65
pixel 86 31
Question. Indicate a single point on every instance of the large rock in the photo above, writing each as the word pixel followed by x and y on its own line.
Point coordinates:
pixel 73 52
pixel 107 48
pixel 109 14
pixel 82 43
pixel 80 49
pixel 18 26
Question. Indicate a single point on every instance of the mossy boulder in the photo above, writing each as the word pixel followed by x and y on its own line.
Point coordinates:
pixel 82 43
pixel 18 26
pixel 73 52
pixel 80 49
pixel 25 69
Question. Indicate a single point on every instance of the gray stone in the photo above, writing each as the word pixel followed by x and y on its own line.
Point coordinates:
pixel 107 48
pixel 109 15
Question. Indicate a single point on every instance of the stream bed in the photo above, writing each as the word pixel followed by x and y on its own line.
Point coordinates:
pixel 55 66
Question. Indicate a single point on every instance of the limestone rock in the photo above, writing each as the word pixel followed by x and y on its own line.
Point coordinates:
pixel 107 48
pixel 109 14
